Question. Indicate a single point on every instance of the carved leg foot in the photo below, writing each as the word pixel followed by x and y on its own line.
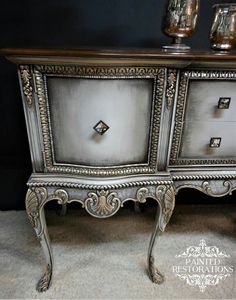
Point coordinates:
pixel 154 273
pixel 165 197
pixel 35 200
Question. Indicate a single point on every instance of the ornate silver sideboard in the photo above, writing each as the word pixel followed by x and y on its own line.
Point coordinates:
pixel 106 127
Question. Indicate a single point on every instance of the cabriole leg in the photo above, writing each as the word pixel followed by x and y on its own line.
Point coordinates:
pixel 63 210
pixel 35 200
pixel 165 197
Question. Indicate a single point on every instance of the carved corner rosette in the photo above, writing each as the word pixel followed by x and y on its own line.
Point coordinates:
pixel 26 84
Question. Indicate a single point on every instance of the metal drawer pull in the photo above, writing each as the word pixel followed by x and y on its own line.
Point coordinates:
pixel 224 102
pixel 215 142
pixel 101 127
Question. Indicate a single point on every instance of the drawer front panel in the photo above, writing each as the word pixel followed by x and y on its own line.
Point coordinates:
pixel 100 121
pixel 205 100
pixel 205 110
pixel 197 136
pixel 77 105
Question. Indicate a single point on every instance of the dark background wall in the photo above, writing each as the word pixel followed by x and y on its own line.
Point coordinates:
pixel 70 24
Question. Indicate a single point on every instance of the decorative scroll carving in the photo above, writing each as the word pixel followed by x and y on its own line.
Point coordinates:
pixel 171 87
pixel 102 204
pixel 166 195
pixel 26 84
pixel 157 74
pixel 208 190
pixel 226 189
pixel 179 117
pixel 60 195
pixel 45 280
pixel 34 198
pixel 142 194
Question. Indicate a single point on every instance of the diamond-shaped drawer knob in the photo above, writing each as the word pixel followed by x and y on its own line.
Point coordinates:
pixel 101 127
pixel 215 142
pixel 224 102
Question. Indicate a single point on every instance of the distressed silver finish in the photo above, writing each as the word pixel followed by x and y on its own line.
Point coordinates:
pixel 223 30
pixel 174 98
pixel 180 21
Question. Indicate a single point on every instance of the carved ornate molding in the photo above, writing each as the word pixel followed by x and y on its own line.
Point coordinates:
pixel 34 198
pixel 207 189
pixel 210 74
pixel 226 189
pixel 179 116
pixel 26 84
pixel 98 71
pixel 96 186
pixel 202 177
pixel 157 74
pixel 171 87
pixel 102 203
pixel 166 195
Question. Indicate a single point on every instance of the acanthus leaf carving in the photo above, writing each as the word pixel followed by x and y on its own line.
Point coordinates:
pixel 26 84
pixel 166 195
pixel 35 197
pixel 102 203
pixel 171 87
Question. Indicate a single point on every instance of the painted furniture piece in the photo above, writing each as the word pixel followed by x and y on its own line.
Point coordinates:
pixel 106 127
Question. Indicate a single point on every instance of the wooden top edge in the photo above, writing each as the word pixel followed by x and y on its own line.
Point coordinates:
pixel 119 53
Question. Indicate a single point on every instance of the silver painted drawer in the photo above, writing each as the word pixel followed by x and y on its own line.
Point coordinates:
pixel 196 139
pixel 203 97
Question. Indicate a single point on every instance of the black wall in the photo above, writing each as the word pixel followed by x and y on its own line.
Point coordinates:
pixel 68 24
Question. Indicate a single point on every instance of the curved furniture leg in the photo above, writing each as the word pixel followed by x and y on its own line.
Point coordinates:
pixel 137 208
pixel 35 200
pixel 165 197
pixel 63 210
